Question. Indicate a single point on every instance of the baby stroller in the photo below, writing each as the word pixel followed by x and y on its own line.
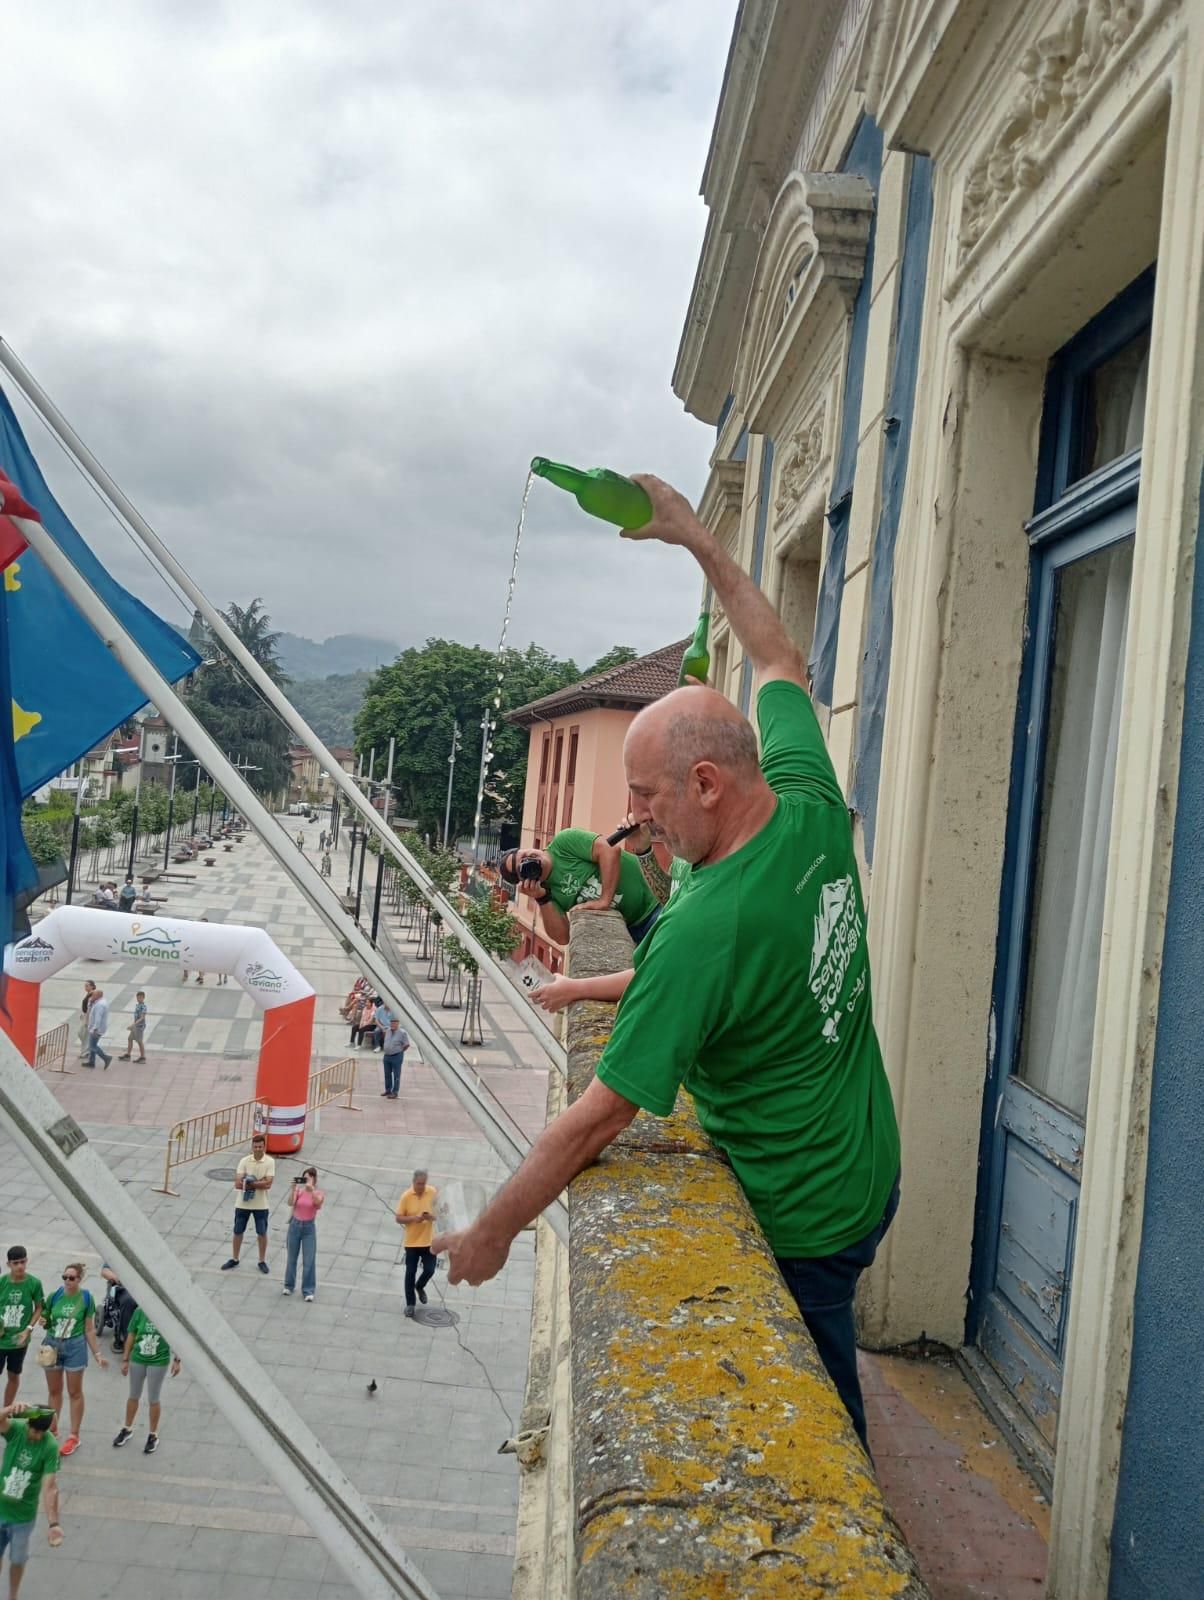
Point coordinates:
pixel 115 1311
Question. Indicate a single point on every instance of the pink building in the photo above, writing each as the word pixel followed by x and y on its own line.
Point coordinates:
pixel 575 762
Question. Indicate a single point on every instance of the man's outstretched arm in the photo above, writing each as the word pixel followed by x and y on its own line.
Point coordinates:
pixel 565 1148
pixel 752 619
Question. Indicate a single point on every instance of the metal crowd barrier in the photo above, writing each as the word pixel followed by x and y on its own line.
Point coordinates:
pixel 52 1047
pixel 214 1131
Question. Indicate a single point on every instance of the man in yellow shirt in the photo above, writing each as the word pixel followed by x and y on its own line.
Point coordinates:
pixel 416 1214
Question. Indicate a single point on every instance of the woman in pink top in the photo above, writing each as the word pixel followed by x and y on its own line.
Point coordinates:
pixel 304 1202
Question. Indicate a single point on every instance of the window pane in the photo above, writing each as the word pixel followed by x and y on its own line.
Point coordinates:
pixel 1114 405
pixel 1082 727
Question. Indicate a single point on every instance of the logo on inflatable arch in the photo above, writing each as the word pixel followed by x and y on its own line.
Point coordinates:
pixel 155 944
pixel 32 952
pixel 257 976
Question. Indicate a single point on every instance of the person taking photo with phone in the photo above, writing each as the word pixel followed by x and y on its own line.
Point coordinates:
pixel 305 1200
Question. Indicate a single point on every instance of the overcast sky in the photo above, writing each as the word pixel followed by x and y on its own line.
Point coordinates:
pixel 315 281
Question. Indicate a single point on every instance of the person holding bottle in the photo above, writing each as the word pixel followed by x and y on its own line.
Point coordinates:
pixel 29 1464
pixel 581 869
pixel 305 1200
pixel 70 1335
pixel 767 937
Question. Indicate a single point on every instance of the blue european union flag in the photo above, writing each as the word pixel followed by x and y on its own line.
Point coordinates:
pixel 68 693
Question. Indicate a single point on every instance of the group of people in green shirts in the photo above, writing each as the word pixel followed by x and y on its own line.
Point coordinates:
pixel 31 1448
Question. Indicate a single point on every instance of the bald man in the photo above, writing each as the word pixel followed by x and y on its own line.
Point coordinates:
pixel 753 988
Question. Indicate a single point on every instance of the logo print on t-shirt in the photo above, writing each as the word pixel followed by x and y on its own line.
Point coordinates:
pixel 837 938
pixel 16 1484
pixel 148 1344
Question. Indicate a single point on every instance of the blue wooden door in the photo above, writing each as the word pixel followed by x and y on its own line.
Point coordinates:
pixel 1059 827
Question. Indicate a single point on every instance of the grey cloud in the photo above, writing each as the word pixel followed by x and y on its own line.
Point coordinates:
pixel 315 283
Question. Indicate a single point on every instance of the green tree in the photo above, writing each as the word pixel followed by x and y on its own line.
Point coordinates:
pixel 231 710
pixel 419 697
pixel 330 705
pixel 617 656
pixel 494 927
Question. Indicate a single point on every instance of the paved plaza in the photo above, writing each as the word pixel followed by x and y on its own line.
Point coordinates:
pixel 196 1516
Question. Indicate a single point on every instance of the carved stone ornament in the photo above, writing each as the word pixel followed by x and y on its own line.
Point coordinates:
pixel 809 269
pixel 1055 75
pixel 803 456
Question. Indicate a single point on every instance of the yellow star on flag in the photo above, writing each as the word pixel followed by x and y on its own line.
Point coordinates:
pixel 11 582
pixel 23 721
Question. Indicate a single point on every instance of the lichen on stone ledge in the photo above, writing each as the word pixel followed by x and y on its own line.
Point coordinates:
pixel 711 1455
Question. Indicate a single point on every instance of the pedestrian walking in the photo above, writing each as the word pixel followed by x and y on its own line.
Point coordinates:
pixel 416 1214
pixel 253 1178
pixel 397 1042
pixel 326 867
pixel 137 1033
pixel 98 1022
pixel 28 1472
pixel 70 1335
pixel 146 1360
pixel 21 1302
pixel 305 1200
pixel 82 1031
pixel 322 840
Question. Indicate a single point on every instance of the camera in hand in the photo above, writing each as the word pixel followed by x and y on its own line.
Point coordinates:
pixel 248 1192
pixel 528 871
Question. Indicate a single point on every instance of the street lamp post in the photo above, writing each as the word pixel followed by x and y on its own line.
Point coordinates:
pixel 486 729
pixel 171 800
pixel 74 857
pixel 451 773
pixel 380 859
pixel 137 798
pixel 196 800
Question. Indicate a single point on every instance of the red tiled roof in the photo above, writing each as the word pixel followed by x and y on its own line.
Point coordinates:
pixel 629 687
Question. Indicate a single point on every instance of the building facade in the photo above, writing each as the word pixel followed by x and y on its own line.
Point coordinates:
pixel 575 775
pixel 946 325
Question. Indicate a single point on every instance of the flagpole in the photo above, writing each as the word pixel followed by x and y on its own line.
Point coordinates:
pixel 496 1124
pixel 79 789
pixel 279 701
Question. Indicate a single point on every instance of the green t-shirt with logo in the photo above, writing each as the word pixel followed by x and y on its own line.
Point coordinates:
pixel 150 1347
pixel 19 1303
pixel 67 1314
pixel 753 991
pixel 24 1466
pixel 574 877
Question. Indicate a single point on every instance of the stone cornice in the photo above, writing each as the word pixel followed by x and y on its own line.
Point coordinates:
pixel 777 56
pixel 807 275
pixel 722 499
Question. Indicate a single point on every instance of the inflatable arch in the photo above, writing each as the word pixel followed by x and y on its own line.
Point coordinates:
pixel 249 955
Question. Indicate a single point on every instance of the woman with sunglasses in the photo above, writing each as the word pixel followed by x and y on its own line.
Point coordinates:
pixel 70 1334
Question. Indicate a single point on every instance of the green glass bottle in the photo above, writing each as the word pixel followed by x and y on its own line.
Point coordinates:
pixel 696 663
pixel 599 491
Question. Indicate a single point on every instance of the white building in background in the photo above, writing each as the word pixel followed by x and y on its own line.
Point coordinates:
pixel 946 325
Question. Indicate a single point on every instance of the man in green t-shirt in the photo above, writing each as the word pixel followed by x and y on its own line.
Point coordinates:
pixel 21 1302
pixel 753 991
pixel 145 1360
pixel 28 1467
pixel 580 869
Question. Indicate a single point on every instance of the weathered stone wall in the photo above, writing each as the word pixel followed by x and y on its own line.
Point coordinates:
pixel 711 1454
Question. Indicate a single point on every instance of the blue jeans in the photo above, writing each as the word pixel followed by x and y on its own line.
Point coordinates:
pixel 642 929
pixel 823 1288
pixel 393 1060
pixel 303 1238
pixel 95 1049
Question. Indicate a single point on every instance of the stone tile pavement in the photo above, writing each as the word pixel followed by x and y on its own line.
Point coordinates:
pixel 194 1517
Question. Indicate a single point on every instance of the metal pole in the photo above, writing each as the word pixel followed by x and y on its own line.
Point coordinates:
pixel 351 857
pixel 254 1410
pixel 496 1124
pixel 359 882
pixel 137 797
pixel 196 800
pixel 74 857
pixel 171 800
pixel 380 855
pixel 271 692
pixel 451 773
pixel 486 726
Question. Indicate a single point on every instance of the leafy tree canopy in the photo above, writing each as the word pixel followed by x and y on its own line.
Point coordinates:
pixel 420 696
pixel 231 710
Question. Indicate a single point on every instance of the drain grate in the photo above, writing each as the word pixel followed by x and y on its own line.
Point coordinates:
pixel 236 1055
pixel 222 1174
pixel 229 1077
pixel 435 1316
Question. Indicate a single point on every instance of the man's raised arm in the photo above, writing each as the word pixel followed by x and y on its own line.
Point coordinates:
pixel 751 617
